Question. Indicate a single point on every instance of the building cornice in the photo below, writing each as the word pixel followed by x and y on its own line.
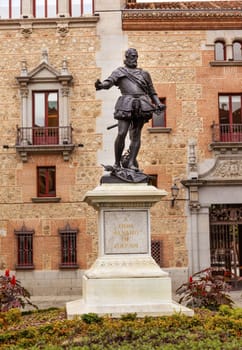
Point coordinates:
pixel 182 15
pixel 48 22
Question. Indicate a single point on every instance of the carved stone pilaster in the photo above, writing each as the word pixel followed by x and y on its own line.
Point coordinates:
pixel 24 92
pixel 194 206
pixel 65 91
pixel 192 160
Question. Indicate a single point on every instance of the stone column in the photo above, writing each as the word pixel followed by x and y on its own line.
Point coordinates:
pixel 204 238
pixel 229 49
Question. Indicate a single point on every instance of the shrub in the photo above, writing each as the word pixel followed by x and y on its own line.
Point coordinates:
pixel 12 294
pixel 91 318
pixel 204 289
pixel 129 316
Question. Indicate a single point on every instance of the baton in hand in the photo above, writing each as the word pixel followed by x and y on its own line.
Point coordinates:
pixel 112 126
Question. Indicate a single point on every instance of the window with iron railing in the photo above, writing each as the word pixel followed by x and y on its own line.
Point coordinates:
pixel 24 248
pixel 230 118
pixel 156 251
pixel 68 247
pixel 10 9
pixel 45 117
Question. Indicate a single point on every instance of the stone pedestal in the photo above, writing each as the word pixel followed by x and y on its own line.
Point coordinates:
pixel 125 278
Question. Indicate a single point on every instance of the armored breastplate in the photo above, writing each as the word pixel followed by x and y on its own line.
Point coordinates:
pixel 129 86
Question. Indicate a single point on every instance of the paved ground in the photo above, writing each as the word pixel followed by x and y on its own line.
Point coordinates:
pixel 60 301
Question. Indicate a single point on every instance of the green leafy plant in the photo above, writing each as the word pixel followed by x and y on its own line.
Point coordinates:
pixel 91 318
pixel 50 330
pixel 205 289
pixel 12 294
pixel 129 316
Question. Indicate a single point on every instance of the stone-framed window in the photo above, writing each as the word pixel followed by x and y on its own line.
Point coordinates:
pixel 68 238
pixel 46 181
pixel 230 117
pixel 159 119
pixel 237 50
pixel 219 50
pixel 10 9
pixel 45 117
pixel 42 81
pixel 227 51
pixel 24 248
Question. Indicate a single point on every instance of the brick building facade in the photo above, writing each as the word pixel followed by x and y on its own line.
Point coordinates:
pixel 50 109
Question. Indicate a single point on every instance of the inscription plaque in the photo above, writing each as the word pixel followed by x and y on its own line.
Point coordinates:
pixel 126 232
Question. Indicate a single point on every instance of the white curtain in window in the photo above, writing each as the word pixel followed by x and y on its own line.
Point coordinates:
pixel 51 8
pixel 87 7
pixel 4 9
pixel 15 8
pixel 78 5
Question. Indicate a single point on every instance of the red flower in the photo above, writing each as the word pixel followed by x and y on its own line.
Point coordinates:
pixel 13 280
pixel 190 279
pixel 7 273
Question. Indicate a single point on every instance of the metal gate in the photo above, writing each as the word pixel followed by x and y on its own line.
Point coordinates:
pixel 226 239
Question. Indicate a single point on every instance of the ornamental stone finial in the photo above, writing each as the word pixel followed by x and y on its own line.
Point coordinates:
pixel 64 70
pixel 24 70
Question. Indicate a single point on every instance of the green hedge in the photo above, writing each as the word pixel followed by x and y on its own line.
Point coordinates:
pixel 208 330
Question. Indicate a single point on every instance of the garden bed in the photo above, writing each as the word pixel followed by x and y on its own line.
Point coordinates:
pixel 50 330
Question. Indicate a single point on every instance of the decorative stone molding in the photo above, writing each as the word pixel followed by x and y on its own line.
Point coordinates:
pixel 26 29
pixel 227 168
pixel 62 29
pixel 159 130
pixel 44 77
pixel 24 92
pixel 182 15
pixel 65 91
pixel 192 160
pixel 106 267
pixel 194 206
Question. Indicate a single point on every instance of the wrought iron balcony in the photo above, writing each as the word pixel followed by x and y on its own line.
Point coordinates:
pixel 227 132
pixel 44 140
pixel 226 137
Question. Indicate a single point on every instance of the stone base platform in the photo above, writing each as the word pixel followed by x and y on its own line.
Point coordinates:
pixel 79 307
pixel 125 278
pixel 145 296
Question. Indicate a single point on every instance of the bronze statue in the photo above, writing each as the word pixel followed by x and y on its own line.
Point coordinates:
pixel 133 108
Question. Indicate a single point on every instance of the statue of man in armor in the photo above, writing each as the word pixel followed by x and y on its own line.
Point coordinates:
pixel 133 108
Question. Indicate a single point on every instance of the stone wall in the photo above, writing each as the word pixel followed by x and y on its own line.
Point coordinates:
pixel 172 58
pixel 73 178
